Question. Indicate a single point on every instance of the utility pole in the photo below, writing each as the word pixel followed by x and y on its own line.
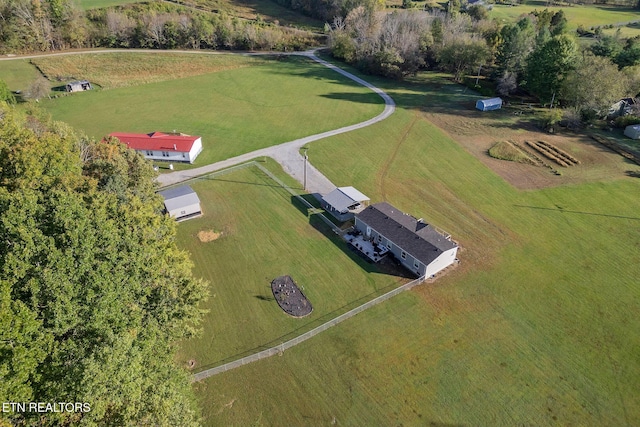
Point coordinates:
pixel 306 158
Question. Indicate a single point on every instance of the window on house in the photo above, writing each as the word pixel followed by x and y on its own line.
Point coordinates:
pixel 403 255
pixel 416 264
pixel 149 153
pixel 379 238
pixel 165 154
pixel 184 155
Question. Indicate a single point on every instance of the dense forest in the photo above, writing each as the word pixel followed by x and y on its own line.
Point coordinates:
pixel 94 293
pixel 537 54
pixel 35 26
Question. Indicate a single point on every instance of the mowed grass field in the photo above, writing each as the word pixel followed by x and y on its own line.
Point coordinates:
pixel 18 73
pixel 97 4
pixel 586 15
pixel 537 326
pixel 235 111
pixel 264 235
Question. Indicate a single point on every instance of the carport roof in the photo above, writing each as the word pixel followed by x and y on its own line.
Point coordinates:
pixel 343 197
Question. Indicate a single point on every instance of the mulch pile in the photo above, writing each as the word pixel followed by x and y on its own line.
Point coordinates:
pixel 289 297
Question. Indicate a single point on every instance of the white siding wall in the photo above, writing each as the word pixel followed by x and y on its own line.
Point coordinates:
pixel 443 261
pixel 171 156
pixel 196 148
pixel 187 210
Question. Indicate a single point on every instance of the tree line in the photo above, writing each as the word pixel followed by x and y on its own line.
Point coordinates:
pixel 35 26
pixel 94 293
pixel 536 54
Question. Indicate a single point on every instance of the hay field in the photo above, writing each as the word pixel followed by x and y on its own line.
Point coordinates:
pixel 586 15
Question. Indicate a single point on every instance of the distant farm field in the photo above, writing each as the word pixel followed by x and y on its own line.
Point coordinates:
pixel 537 326
pixel 18 73
pixel 112 70
pixel 586 15
pixel 235 111
pixel 262 234
pixel 97 4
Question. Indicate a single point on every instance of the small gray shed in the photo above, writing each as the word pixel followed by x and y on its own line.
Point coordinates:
pixel 181 203
pixel 489 104
pixel 632 131
pixel 344 202
pixel 78 86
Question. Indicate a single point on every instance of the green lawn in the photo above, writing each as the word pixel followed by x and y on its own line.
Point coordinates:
pixel 235 111
pixel 587 15
pixel 18 73
pixel 538 325
pixel 264 235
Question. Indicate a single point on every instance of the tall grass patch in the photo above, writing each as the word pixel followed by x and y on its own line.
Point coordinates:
pixel 114 70
pixel 505 150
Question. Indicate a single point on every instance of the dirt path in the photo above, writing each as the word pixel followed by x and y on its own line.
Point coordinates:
pixel 390 159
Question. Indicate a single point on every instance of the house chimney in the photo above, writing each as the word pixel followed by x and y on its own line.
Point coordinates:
pixel 175 147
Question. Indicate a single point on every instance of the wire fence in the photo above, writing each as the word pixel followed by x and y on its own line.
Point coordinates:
pixel 279 349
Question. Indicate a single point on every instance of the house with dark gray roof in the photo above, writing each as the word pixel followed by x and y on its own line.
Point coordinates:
pixel 417 246
pixel 344 202
pixel 181 202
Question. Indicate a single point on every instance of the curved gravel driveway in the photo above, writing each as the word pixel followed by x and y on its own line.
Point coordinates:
pixel 286 154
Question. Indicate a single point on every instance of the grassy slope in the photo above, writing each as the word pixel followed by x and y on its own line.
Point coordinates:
pixel 18 73
pixel 536 327
pixel 588 15
pixel 97 4
pixel 111 70
pixel 265 236
pixel 234 111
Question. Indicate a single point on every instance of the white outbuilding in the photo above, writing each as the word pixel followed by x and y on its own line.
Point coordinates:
pixel 181 203
pixel 344 202
pixel 489 104
pixel 632 131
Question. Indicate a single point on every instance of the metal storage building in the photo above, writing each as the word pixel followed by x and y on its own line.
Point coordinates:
pixel 632 131
pixel 181 203
pixel 489 104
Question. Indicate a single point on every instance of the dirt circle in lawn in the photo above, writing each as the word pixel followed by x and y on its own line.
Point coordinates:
pixel 289 297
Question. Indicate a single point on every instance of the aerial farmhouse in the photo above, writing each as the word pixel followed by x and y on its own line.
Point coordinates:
pixel 489 104
pixel 181 203
pixel 344 202
pixel 417 246
pixel 163 146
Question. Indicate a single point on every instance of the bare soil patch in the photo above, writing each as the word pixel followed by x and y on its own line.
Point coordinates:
pixel 289 297
pixel 478 132
pixel 208 235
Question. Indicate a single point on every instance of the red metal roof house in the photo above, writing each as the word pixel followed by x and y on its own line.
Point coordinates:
pixel 162 146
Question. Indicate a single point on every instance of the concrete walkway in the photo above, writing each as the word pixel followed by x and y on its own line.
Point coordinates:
pixel 288 154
